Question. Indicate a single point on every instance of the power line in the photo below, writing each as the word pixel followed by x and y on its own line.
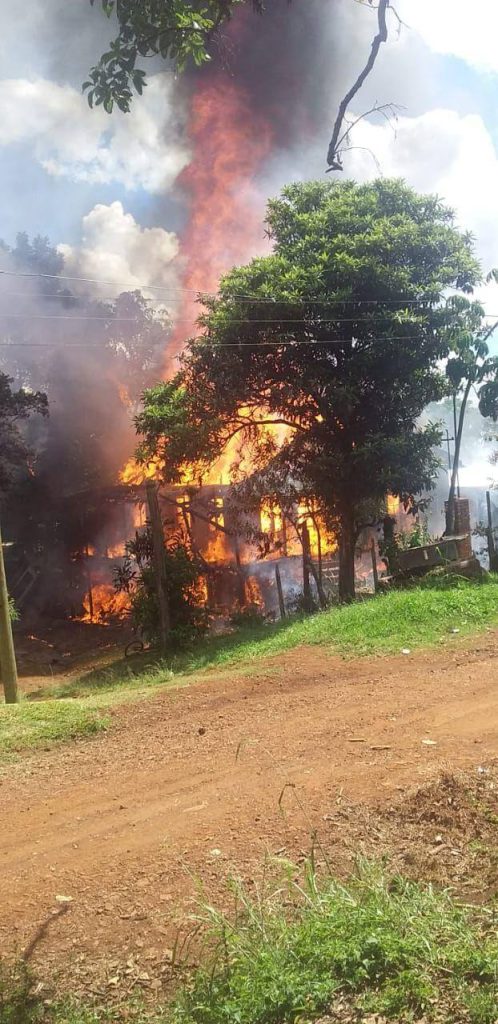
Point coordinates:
pixel 60 316
pixel 225 344
pixel 182 320
pixel 200 291
pixel 93 280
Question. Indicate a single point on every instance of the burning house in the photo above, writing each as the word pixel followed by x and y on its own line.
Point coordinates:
pixel 94 353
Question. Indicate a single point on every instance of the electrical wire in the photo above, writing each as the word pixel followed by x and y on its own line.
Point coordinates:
pixel 227 344
pixel 200 291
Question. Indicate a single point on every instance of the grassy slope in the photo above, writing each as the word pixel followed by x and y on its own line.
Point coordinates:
pixel 421 616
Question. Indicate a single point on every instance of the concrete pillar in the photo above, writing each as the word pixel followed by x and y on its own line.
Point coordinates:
pixel 462 526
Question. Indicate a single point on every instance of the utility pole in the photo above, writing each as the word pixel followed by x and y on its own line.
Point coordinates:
pixel 455 431
pixel 159 565
pixel 8 665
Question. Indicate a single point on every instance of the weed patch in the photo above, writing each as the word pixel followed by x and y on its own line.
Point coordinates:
pixel 393 948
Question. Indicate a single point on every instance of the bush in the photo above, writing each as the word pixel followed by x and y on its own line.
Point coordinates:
pixel 189 618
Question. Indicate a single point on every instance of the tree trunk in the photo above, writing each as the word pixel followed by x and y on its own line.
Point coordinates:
pixel 305 543
pixel 450 511
pixel 347 545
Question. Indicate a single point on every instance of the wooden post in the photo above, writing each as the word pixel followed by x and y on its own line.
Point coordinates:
pixel 90 584
pixel 281 602
pixel 159 564
pixel 8 665
pixel 241 580
pixel 373 552
pixel 491 541
pixel 305 540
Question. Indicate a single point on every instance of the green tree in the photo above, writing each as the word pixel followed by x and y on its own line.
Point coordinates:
pixel 177 30
pixel 15 406
pixel 470 365
pixel 135 577
pixel 338 337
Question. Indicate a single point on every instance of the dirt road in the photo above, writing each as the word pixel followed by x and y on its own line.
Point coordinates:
pixel 196 780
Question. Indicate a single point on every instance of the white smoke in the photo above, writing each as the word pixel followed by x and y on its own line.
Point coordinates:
pixel 116 251
pixel 440 151
pixel 453 27
pixel 141 149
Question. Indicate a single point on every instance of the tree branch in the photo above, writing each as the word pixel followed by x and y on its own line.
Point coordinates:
pixel 334 156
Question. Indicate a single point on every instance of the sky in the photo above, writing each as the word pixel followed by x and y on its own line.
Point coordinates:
pixel 103 188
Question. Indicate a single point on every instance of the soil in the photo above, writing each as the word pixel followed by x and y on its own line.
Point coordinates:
pixel 58 651
pixel 393 757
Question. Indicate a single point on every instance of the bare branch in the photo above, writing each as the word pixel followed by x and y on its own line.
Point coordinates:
pixel 334 156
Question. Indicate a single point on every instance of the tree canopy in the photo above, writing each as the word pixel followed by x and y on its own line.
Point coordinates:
pixel 336 337
pixel 15 406
pixel 177 30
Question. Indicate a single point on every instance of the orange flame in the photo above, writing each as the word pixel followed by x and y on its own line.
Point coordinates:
pixel 392 505
pixel 107 605
pixel 135 473
pixel 253 592
pixel 230 143
pixel 117 551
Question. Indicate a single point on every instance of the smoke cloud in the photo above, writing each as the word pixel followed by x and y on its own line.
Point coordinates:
pixel 70 140
pixel 116 250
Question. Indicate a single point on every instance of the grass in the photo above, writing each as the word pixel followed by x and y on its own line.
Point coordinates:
pixel 374 946
pixel 25 727
pixel 393 948
pixel 417 617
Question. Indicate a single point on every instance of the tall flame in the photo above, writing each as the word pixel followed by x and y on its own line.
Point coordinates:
pixel 230 144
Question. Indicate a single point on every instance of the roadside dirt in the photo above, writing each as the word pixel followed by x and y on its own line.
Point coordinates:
pixel 394 756
pixel 63 650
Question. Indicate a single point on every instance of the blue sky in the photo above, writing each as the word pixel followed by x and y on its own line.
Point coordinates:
pixel 104 188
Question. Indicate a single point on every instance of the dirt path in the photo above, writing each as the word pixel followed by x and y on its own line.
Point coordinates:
pixel 188 783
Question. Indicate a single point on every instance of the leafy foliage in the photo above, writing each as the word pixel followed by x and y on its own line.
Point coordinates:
pixel 183 571
pixel 15 407
pixel 337 337
pixel 176 30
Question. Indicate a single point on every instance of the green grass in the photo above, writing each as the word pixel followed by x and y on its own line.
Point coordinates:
pixel 389 947
pixel 25 727
pixel 417 617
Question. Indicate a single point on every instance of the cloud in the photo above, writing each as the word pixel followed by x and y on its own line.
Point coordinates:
pixel 121 254
pixel 457 28
pixel 440 151
pixel 142 149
